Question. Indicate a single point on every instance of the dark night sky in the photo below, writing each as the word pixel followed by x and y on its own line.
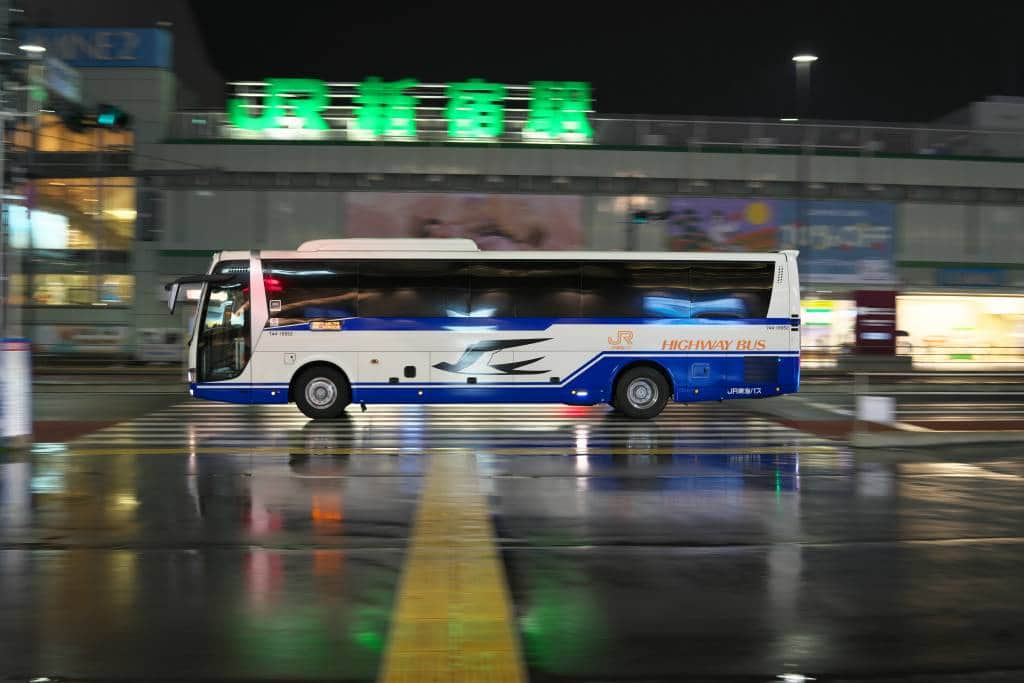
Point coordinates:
pixel 892 61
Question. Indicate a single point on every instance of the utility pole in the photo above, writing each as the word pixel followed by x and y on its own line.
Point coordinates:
pixel 6 54
pixel 15 354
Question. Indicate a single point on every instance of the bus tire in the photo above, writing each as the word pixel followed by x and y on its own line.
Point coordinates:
pixel 322 392
pixel 641 392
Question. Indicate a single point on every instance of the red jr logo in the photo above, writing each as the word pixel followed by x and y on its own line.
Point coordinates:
pixel 623 340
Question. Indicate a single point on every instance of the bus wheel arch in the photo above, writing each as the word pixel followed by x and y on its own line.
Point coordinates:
pixel 320 389
pixel 646 378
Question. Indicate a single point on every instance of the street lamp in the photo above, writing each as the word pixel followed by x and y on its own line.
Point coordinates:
pixel 803 63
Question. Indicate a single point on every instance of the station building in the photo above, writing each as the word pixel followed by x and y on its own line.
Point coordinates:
pixel 932 213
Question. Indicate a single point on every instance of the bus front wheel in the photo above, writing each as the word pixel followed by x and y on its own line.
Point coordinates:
pixel 322 393
pixel 641 392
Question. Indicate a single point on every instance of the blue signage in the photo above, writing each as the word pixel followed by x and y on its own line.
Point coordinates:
pixel 844 241
pixel 969 277
pixel 105 47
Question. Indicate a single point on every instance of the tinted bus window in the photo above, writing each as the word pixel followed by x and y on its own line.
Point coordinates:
pixel 636 289
pixel 413 289
pixel 731 289
pixel 491 290
pixel 605 292
pixel 527 289
pixel 302 290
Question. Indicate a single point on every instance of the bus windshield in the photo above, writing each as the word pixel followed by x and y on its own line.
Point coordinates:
pixel 224 339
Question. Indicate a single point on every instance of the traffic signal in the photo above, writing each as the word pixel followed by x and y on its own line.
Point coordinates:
pixel 78 119
pixel 644 216
pixel 72 115
pixel 114 118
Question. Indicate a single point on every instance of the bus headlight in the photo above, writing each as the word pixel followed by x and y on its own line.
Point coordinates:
pixel 191 375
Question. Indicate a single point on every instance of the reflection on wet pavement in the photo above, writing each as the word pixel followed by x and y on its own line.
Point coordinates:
pixel 214 541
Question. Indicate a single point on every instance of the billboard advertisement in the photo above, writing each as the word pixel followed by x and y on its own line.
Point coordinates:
pixel 726 224
pixel 493 221
pixel 81 339
pixel 845 241
pixel 839 241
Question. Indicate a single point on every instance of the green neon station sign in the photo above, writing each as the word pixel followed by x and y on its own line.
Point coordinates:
pixel 474 110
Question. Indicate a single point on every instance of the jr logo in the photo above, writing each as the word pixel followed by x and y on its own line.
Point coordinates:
pixel 306 97
pixel 623 340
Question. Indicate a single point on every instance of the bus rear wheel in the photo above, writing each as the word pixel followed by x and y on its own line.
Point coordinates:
pixel 641 393
pixel 322 393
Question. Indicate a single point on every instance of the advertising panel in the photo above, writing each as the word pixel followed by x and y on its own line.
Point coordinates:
pixel 839 241
pixel 725 224
pixel 494 222
pixel 845 241
pixel 81 339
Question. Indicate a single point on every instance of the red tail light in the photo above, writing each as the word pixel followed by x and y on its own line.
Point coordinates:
pixel 271 285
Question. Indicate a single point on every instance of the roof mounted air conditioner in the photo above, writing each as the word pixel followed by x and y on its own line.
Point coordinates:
pixel 391 244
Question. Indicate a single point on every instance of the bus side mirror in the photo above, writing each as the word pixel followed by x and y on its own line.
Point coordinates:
pixel 172 295
pixel 173 287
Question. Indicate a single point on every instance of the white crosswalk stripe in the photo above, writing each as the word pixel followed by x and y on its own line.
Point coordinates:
pixel 510 429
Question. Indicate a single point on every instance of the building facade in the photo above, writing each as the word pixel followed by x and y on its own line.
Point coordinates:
pixel 934 214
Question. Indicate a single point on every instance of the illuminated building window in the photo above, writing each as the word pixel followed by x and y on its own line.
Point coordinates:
pixel 76 213
pixel 16 290
pixel 53 136
pixel 74 289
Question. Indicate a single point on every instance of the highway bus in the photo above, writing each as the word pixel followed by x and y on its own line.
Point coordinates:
pixel 370 321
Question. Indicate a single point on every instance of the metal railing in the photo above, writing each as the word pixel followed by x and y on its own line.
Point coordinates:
pixel 711 134
pixel 926 358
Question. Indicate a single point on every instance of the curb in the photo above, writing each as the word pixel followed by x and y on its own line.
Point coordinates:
pixel 932 438
pixel 15 444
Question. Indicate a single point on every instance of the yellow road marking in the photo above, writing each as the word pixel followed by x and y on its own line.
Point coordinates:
pixel 567 450
pixel 454 619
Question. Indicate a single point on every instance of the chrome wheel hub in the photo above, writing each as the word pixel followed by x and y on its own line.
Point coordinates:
pixel 642 393
pixel 321 393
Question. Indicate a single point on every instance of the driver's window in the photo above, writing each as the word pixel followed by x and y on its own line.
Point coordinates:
pixel 224 344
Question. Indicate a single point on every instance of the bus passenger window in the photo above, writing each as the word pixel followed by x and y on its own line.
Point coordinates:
pixel 636 289
pixel 490 290
pixel 544 289
pixel 303 290
pixel 732 289
pixel 413 289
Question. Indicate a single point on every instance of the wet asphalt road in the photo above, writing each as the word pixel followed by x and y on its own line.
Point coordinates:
pixel 209 541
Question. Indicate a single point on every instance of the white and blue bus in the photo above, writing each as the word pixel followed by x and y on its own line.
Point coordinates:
pixel 437 321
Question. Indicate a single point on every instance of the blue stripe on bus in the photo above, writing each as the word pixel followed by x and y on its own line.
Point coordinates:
pixel 640 355
pixel 631 355
pixel 593 379
pixel 524 324
pixel 241 392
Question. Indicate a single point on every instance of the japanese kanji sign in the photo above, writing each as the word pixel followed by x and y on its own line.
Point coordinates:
pixel 406 110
